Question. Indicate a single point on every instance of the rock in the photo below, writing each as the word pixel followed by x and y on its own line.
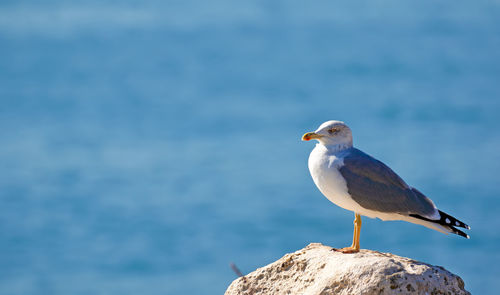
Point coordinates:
pixel 317 269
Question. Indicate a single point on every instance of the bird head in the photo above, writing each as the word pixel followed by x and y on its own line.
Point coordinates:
pixel 331 133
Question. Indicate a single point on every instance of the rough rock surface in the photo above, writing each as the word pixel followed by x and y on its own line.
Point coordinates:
pixel 317 269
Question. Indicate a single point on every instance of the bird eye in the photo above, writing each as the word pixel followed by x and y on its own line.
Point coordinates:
pixel 332 131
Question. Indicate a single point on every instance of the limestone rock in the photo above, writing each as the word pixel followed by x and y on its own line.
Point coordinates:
pixel 317 270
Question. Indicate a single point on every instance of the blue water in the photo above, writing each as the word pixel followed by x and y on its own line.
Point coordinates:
pixel 146 145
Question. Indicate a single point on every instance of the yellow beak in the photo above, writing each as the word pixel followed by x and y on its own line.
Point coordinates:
pixel 311 135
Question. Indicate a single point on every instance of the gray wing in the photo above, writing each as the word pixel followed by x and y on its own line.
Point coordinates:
pixel 376 187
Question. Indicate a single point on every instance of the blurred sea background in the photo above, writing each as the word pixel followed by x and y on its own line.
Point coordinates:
pixel 145 145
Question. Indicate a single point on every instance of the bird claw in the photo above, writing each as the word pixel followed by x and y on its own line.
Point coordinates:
pixel 346 250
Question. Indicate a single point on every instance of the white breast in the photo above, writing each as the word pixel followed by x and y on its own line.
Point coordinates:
pixel 324 166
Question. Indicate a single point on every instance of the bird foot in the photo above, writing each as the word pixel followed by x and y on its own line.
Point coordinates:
pixel 347 250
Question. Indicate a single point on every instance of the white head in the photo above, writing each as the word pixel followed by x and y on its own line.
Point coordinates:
pixel 331 133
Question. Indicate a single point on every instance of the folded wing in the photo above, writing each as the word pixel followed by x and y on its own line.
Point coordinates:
pixel 376 187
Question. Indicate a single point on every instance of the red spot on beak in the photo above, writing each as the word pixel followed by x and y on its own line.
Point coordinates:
pixel 307 136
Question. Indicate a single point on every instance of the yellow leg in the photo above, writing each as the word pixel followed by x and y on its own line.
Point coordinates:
pixel 357 221
pixel 354 248
pixel 355 233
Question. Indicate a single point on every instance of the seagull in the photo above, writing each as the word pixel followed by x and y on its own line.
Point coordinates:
pixel 355 181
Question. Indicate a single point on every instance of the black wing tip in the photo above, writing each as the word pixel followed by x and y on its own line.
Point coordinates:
pixel 459 232
pixel 448 222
